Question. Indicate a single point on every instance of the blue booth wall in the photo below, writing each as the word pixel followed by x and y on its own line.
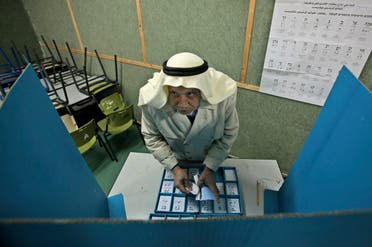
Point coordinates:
pixel 42 173
pixel 333 170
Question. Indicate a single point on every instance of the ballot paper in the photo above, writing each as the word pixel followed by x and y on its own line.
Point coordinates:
pixel 173 217
pixel 167 187
pixel 206 207
pixel 221 188
pixel 232 189
pixel 233 205
pixel 310 41
pixel 205 193
pixel 164 203
pixel 177 191
pixel 168 174
pixel 160 217
pixel 220 206
pixel 230 175
pixel 200 202
pixel 179 204
pixel 192 205
pixel 271 183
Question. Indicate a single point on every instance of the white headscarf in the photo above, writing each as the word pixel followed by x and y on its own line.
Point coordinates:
pixel 214 85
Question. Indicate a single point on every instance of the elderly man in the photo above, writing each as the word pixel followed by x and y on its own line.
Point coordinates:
pixel 189 117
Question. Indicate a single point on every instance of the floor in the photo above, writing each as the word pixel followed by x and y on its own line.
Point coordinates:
pixel 104 169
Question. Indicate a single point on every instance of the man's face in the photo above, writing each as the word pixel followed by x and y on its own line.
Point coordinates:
pixel 184 100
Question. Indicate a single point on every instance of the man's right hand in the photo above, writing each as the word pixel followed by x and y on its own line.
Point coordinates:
pixel 181 180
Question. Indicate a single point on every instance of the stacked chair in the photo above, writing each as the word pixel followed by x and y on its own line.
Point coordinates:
pixel 9 71
pixel 99 112
pixel 98 85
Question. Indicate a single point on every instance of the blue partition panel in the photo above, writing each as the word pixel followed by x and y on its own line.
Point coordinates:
pixel 349 229
pixel 116 207
pixel 333 170
pixel 42 174
pixel 271 202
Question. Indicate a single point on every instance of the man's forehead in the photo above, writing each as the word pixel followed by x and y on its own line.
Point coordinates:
pixel 182 89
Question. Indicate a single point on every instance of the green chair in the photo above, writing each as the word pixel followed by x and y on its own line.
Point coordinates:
pixel 116 123
pixel 111 103
pixel 86 136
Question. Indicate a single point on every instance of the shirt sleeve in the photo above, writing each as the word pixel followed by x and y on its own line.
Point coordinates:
pixel 155 142
pixel 221 147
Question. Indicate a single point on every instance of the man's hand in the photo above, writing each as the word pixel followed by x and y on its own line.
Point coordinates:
pixel 181 180
pixel 207 178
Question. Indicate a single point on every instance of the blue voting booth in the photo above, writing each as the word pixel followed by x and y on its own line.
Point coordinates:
pixel 49 197
pixel 43 174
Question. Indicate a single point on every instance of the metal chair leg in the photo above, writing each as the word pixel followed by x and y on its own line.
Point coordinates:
pixel 109 146
pixel 108 150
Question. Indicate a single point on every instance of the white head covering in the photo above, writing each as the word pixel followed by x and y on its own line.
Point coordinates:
pixel 190 71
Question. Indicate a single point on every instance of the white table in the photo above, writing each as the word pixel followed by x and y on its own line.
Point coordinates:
pixel 139 182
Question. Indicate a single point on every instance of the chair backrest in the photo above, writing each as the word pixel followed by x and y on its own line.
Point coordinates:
pixel 119 118
pixel 111 103
pixel 85 133
pixel 69 122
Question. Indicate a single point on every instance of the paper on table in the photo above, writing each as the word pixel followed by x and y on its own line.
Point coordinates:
pixel 205 193
pixel 271 183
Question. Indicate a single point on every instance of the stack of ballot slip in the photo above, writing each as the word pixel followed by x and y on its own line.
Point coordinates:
pixel 200 201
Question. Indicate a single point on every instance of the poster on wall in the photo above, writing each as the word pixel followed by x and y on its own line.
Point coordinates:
pixel 310 41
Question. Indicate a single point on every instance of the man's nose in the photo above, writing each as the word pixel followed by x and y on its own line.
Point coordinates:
pixel 183 101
